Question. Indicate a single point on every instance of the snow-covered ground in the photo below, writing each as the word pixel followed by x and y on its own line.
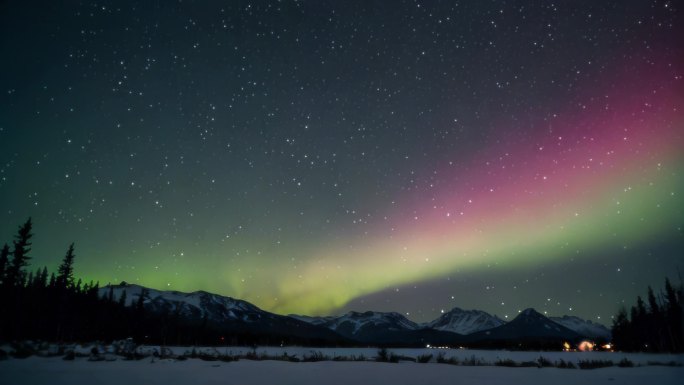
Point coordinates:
pixel 55 371
pixel 485 356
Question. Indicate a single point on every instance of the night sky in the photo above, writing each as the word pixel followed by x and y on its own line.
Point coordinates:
pixel 316 157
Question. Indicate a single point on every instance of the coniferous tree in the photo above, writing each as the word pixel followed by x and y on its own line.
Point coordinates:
pixel 652 302
pixel 122 299
pixel 140 305
pixel 673 314
pixel 42 282
pixel 4 262
pixel 15 271
pixel 658 328
pixel 35 281
pixel 29 280
pixel 621 328
pixel 654 322
pixel 65 273
pixel 94 290
pixel 641 307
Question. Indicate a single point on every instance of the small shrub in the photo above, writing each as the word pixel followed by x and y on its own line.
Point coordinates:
pixel 227 358
pixel 95 354
pixel 529 364
pixel 424 358
pixel 207 357
pixel 359 358
pixel 625 363
pixel 594 364
pixel 442 360
pixel 544 362
pixel 315 357
pixel 507 362
pixel 660 363
pixel 289 358
pixel 133 356
pixel 69 356
pixel 473 361
pixel 562 364
pixel 166 353
pixel 383 356
pixel 23 351
pixel 251 356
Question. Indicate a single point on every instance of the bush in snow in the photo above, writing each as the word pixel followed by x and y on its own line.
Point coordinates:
pixel 425 358
pixel 594 364
pixel 507 362
pixel 442 360
pixel 625 363
pixel 383 356
pixel 23 350
pixel 659 363
pixel 544 362
pixel 562 364
pixel 474 361
pixel 315 357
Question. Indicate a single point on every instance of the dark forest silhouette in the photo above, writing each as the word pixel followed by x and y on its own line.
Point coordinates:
pixel 657 328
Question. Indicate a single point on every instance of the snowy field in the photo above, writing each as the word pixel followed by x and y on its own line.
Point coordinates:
pixel 488 357
pixel 39 370
pixel 153 370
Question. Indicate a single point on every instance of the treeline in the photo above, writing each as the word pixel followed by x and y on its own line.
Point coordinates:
pixel 56 307
pixel 53 306
pixel 658 327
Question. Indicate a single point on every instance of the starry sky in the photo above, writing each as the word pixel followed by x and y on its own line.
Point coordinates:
pixel 316 157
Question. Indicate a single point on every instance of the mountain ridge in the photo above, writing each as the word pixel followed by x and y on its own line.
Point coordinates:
pixel 454 327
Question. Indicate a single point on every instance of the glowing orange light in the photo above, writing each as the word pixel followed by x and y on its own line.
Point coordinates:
pixel 586 346
pixel 566 346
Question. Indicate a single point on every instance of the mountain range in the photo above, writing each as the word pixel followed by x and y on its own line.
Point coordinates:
pixel 229 315
pixel 455 327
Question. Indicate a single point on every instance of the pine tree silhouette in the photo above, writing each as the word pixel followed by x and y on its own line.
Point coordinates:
pixel 4 262
pixel 15 272
pixel 658 328
pixel 122 299
pixel 65 273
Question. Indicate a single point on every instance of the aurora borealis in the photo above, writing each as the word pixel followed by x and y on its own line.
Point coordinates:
pixel 317 156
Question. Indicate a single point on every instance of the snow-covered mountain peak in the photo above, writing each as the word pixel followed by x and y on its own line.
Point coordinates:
pixel 357 321
pixel 312 319
pixel 352 322
pixel 583 327
pixel 194 304
pixel 462 321
pixel 530 312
